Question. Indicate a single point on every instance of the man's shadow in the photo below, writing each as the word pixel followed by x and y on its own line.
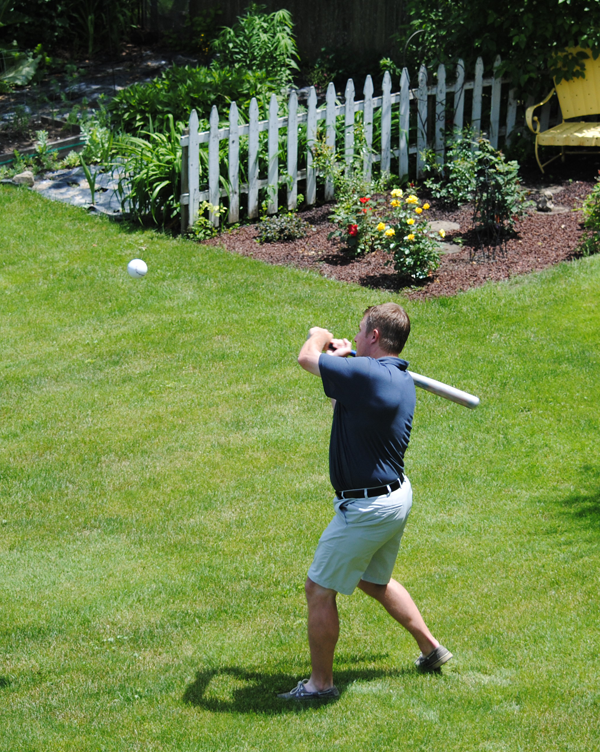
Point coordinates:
pixel 256 691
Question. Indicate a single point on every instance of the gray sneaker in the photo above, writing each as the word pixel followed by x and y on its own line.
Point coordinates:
pixel 300 693
pixel 434 660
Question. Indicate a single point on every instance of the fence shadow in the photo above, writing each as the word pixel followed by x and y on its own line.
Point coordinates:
pixel 256 692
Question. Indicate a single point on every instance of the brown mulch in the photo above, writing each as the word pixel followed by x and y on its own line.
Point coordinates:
pixel 542 239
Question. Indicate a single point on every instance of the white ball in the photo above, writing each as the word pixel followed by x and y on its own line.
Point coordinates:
pixel 137 268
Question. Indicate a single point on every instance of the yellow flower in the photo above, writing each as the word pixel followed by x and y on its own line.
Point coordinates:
pixel 381 226
pixel 412 199
pixel 397 193
pixel 410 221
pixel 395 202
pixel 418 210
pixel 442 233
pixel 425 206
pixel 410 237
pixel 390 231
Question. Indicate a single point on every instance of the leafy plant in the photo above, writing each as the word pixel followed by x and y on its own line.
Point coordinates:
pixel 150 174
pixel 260 41
pixel 203 228
pixel 453 183
pixel 282 227
pixel 90 177
pixel 499 197
pixel 590 242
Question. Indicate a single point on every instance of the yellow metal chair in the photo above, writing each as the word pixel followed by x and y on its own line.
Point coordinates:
pixel 578 98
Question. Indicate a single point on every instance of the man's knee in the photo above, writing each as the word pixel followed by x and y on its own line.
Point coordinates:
pixel 372 589
pixel 315 593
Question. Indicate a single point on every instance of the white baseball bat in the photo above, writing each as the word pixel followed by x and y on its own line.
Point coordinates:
pixel 443 390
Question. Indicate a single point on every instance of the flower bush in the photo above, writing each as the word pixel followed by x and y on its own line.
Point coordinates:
pixel 590 241
pixel 405 233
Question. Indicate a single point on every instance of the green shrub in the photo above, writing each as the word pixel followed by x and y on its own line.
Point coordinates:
pixel 499 198
pixel 282 227
pixel 590 241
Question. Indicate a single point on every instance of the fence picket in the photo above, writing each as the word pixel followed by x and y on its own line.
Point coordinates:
pixel 292 152
pixel 440 114
pixel 234 164
pixel 349 125
pixel 459 96
pixel 213 166
pixel 368 126
pixel 311 137
pixel 193 169
pixel 386 122
pixel 253 160
pixel 404 123
pixel 330 131
pixel 511 116
pixel 477 95
pixel 421 119
pixel 273 188
pixel 495 113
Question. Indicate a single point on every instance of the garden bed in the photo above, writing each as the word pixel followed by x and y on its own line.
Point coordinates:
pixel 542 239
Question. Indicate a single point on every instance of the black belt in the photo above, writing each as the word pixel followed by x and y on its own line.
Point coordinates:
pixel 368 493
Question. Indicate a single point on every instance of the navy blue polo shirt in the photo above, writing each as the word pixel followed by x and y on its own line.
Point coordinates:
pixel 372 420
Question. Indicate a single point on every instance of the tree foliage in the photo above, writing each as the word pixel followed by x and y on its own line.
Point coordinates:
pixel 531 36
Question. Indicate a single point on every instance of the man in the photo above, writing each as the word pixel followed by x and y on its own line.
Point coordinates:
pixel 374 401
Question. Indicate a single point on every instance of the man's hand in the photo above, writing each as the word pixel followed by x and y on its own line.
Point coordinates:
pixel 318 341
pixel 340 347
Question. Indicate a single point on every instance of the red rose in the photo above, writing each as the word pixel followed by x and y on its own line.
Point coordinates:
pixel 364 200
pixel 353 230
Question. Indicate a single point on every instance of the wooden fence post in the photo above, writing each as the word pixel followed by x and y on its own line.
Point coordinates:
pixel 459 96
pixel 213 166
pixel 421 119
pixel 477 94
pixel 495 113
pixel 185 184
pixel 253 160
pixel 386 123
pixel 311 137
pixel 440 115
pixel 330 138
pixel 292 152
pixel 193 170
pixel 234 164
pixel 349 125
pixel 273 188
pixel 368 127
pixel 404 123
pixel 511 116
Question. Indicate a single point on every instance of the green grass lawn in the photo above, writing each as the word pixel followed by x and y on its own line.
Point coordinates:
pixel 163 484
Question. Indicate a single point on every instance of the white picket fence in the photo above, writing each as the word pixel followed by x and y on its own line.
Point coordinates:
pixel 410 103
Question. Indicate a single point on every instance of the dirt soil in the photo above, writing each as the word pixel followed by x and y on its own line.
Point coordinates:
pixel 542 239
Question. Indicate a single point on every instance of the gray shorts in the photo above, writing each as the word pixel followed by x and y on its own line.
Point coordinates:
pixel 362 540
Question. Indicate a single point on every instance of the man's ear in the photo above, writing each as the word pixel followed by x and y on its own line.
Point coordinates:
pixel 374 334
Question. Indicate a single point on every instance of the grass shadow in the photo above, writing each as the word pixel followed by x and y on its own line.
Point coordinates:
pixel 584 504
pixel 4 682
pixel 256 691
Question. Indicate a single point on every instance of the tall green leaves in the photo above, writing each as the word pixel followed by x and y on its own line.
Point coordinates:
pixel 151 174
pixel 260 41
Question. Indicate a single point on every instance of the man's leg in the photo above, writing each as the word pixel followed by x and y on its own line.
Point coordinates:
pixel 398 603
pixel 323 633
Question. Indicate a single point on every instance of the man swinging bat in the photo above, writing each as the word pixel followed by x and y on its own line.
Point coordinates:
pixel 374 401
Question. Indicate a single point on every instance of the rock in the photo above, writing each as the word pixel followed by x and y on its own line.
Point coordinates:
pixel 24 178
pixel 543 202
pixel 439 224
